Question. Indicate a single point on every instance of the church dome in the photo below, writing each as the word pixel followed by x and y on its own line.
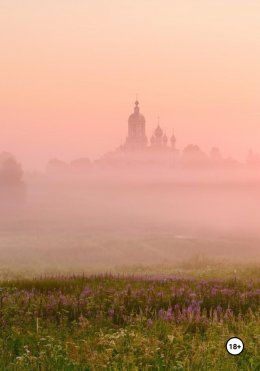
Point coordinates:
pixel 165 139
pixel 158 132
pixel 136 116
pixel 173 139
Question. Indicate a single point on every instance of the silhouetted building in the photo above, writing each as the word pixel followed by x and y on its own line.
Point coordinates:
pixel 137 151
pixel 136 139
pixel 192 156
pixel 158 139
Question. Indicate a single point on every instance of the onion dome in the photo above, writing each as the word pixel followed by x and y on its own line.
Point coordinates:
pixel 165 139
pixel 152 140
pixel 173 139
pixel 158 133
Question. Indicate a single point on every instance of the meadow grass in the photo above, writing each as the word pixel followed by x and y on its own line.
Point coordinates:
pixel 178 320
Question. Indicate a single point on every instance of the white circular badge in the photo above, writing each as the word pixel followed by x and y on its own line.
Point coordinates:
pixel 234 346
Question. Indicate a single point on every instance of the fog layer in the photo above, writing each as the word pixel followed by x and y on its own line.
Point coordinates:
pixel 95 222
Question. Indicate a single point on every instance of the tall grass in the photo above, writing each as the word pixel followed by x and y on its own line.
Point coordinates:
pixel 130 322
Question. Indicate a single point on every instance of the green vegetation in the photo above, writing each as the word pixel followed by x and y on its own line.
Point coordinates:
pixel 133 322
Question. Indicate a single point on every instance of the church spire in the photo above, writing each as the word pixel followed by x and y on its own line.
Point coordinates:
pixel 173 139
pixel 136 109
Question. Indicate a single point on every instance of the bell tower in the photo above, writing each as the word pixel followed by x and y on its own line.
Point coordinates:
pixel 136 139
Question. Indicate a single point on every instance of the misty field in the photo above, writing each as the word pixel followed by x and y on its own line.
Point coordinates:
pixel 182 276
pixel 131 322
pixel 76 225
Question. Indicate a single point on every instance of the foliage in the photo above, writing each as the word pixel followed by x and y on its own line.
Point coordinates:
pixel 10 171
pixel 128 323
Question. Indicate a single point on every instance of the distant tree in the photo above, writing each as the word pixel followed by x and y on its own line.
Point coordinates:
pixel 193 156
pixel 12 187
pixel 215 155
pixel 231 162
pixel 10 171
pixel 253 159
pixel 57 166
pixel 80 164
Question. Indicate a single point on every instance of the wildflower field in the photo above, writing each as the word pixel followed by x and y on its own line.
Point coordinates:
pixel 130 322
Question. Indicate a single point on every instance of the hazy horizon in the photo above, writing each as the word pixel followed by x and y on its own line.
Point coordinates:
pixel 70 73
pixel 76 224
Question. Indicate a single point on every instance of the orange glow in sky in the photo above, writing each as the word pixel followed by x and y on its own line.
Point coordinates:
pixel 70 71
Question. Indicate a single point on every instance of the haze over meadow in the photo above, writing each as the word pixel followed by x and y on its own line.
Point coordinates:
pixel 69 76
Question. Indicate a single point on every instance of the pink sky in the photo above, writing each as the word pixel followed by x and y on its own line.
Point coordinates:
pixel 70 71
